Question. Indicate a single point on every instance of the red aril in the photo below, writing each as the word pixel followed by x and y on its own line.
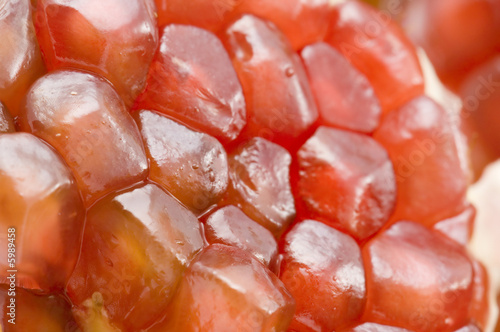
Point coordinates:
pixel 346 180
pixel 32 312
pixel 20 59
pixel 41 214
pixel 136 246
pixel 280 104
pixel 190 165
pixel 209 15
pixel 198 88
pixel 459 227
pixel 264 182
pixel 230 226
pixel 259 184
pixel 226 289
pixel 417 279
pixel 378 48
pixel 344 96
pixel 323 270
pixel 106 37
pixel 373 327
pixel 421 144
pixel 303 22
pixel 87 123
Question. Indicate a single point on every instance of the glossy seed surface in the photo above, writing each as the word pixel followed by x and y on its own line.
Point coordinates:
pixel 190 165
pixel 40 205
pixel 85 120
pixel 136 246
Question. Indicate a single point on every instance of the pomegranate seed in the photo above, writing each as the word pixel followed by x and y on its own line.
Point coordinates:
pixel 200 89
pixel 209 15
pixel 323 270
pixel 372 327
pixel 88 124
pixel 377 47
pixel 226 288
pixel 459 227
pixel 259 184
pixel 192 166
pixel 136 246
pixel 248 165
pixel 34 312
pixel 302 21
pixel 40 200
pixel 422 147
pixel 83 35
pixel 20 59
pixel 230 226
pixel 350 188
pixel 417 279
pixel 350 102
pixel 280 104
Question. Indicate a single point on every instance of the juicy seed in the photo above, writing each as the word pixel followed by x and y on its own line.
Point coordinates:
pixel 136 246
pixel 280 103
pixel 190 165
pixel 200 89
pixel 417 280
pixel 92 130
pixel 259 183
pixel 227 289
pixel 323 270
pixel 346 180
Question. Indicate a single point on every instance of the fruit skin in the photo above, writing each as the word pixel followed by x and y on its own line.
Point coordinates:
pixel 353 189
pixel 344 96
pixel 226 289
pixel 259 184
pixel 323 270
pixel 379 49
pixel 85 120
pixel 280 104
pixel 199 89
pixel 421 144
pixel 417 279
pixel 40 199
pixel 35 313
pixel 190 165
pixel 83 35
pixel 6 121
pixel 230 226
pixel 136 246
pixel 20 58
